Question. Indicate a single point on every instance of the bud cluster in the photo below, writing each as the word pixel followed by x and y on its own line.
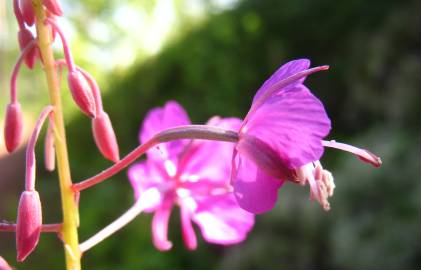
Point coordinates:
pixel 86 95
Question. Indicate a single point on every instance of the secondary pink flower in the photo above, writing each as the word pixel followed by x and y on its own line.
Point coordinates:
pixel 195 176
pixel 281 139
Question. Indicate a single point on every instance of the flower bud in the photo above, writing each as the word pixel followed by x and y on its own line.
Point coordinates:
pixel 27 11
pixel 370 158
pixel 53 6
pixel 4 265
pixel 104 136
pixel 29 223
pixel 81 92
pixel 49 151
pixel 13 126
pixel 25 37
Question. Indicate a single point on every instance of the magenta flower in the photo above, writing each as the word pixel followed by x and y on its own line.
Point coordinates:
pixel 281 139
pixel 195 175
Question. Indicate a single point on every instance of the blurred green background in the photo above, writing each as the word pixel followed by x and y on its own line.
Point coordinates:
pixel 211 56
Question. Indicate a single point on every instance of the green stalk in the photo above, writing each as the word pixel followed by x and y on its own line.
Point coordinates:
pixel 69 206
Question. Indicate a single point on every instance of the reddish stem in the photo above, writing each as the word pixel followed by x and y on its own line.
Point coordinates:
pixel 16 68
pixel 66 49
pixel 177 133
pixel 30 150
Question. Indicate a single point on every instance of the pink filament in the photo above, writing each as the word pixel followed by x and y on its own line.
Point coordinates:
pixel 362 154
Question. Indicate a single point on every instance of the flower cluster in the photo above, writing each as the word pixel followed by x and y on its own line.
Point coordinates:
pixel 219 174
pixel 195 175
pixel 85 93
pixel 83 87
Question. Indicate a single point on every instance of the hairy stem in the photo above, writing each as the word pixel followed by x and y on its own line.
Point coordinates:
pixel 69 207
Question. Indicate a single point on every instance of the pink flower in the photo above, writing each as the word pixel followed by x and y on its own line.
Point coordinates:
pixel 281 139
pixel 193 175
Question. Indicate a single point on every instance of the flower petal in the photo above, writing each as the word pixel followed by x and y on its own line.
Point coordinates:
pixel 254 190
pixel 221 220
pixel 210 160
pixel 145 176
pixel 189 236
pixel 293 123
pixel 158 119
pixel 282 73
pixel 160 227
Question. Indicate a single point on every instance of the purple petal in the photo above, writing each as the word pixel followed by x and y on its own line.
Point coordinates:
pixel 144 176
pixel 221 220
pixel 282 73
pixel 158 119
pixel 210 160
pixel 254 190
pixel 160 227
pixel 293 123
pixel 189 235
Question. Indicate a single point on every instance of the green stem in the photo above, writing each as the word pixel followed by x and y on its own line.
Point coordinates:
pixel 69 206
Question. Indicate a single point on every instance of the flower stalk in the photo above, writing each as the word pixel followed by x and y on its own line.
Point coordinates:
pixel 69 207
pixel 182 132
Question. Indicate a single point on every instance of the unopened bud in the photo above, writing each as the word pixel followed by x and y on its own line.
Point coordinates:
pixel 53 6
pixel 4 265
pixel 104 136
pixel 29 223
pixel 370 158
pixel 49 151
pixel 25 37
pixel 13 128
pixel 27 11
pixel 81 92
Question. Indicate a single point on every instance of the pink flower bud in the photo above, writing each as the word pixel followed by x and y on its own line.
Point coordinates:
pixel 27 11
pixel 49 151
pixel 81 92
pixel 53 6
pixel 104 136
pixel 25 37
pixel 29 223
pixel 13 126
pixel 370 158
pixel 4 265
